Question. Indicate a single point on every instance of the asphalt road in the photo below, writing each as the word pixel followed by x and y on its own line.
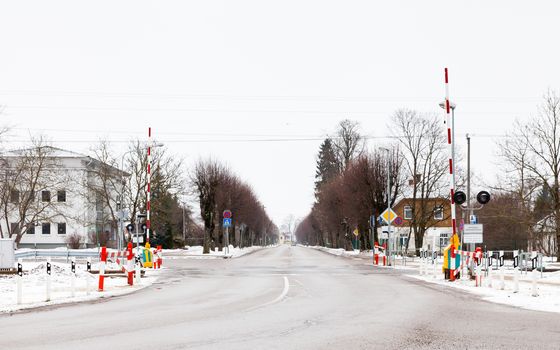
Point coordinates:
pixel 283 298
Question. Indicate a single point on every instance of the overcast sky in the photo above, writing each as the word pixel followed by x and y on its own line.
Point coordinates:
pixel 237 76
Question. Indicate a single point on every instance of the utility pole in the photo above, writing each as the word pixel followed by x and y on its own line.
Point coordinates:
pixel 388 205
pixel 469 181
pixel 184 235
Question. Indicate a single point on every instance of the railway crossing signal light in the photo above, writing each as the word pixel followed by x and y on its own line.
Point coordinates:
pixel 483 197
pixel 460 197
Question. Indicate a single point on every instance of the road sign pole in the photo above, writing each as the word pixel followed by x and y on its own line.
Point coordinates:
pixel 389 208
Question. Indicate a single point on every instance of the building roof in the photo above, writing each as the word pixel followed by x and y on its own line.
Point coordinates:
pixel 55 152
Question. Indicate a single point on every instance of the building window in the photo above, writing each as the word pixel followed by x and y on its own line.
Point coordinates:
pixel 61 196
pixel 46 228
pixel 46 196
pixel 61 228
pixel 30 229
pixel 408 212
pixel 438 213
pixel 14 228
pixel 14 196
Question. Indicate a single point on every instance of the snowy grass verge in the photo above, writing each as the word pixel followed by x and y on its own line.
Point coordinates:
pixel 548 298
pixel 34 286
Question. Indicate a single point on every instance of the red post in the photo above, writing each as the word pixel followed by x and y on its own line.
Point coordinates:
pixel 129 266
pixel 103 258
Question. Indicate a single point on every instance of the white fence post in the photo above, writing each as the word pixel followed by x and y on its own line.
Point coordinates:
pixel 19 282
pixel 73 277
pixel 535 291
pixel 502 280
pixel 48 298
pixel 137 272
pixel 88 269
pixel 516 273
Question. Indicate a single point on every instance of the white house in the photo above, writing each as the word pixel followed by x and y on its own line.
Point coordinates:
pixel 63 200
pixel 544 236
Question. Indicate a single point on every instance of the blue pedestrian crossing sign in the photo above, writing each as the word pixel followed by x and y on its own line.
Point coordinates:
pixel 227 222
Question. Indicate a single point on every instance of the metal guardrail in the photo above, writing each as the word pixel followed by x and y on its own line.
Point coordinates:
pixel 45 253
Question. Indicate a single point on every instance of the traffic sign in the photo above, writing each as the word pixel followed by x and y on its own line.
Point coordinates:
pixel 384 234
pixel 473 219
pixel 356 232
pixel 227 214
pixel 389 215
pixel 398 221
pixel 473 233
pixel 227 222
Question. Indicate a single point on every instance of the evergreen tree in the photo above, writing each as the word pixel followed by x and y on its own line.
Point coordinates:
pixel 327 165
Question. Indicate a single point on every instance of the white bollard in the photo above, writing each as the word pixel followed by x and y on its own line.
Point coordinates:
pixel 19 277
pixel 73 278
pixel 48 298
pixel 502 280
pixel 88 269
pixel 478 277
pixel 490 277
pixel 516 280
pixel 434 270
pixel 137 274
pixel 535 291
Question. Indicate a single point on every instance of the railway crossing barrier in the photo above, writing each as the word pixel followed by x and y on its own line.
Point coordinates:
pixel 129 269
pixel 379 252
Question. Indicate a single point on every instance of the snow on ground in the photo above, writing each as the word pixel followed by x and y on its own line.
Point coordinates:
pixel 195 252
pixel 34 285
pixel 548 289
pixel 548 286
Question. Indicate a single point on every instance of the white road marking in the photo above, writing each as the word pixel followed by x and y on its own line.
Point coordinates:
pixel 279 298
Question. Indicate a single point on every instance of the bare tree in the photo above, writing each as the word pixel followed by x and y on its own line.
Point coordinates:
pixel 422 143
pixel 348 143
pixel 102 190
pixel 28 177
pixel 166 168
pixel 206 178
pixel 539 141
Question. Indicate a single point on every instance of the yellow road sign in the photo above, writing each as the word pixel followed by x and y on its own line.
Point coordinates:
pixel 356 232
pixel 389 214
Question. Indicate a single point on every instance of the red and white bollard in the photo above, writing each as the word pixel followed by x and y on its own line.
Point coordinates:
pixel 159 257
pixel 102 263
pixel 130 264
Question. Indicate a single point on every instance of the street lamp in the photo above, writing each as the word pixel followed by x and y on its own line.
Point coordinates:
pixel 388 203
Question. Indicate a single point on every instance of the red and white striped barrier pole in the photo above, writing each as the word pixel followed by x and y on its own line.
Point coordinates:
pixel 451 160
pixel 102 262
pixel 148 192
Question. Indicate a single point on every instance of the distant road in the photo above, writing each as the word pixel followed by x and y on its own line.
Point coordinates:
pixel 283 298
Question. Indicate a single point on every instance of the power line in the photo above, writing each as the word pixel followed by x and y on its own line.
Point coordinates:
pixel 251 140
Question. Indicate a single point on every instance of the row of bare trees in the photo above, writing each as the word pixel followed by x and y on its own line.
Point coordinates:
pixel 218 189
pixel 528 189
pixel 351 181
pixel 524 212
